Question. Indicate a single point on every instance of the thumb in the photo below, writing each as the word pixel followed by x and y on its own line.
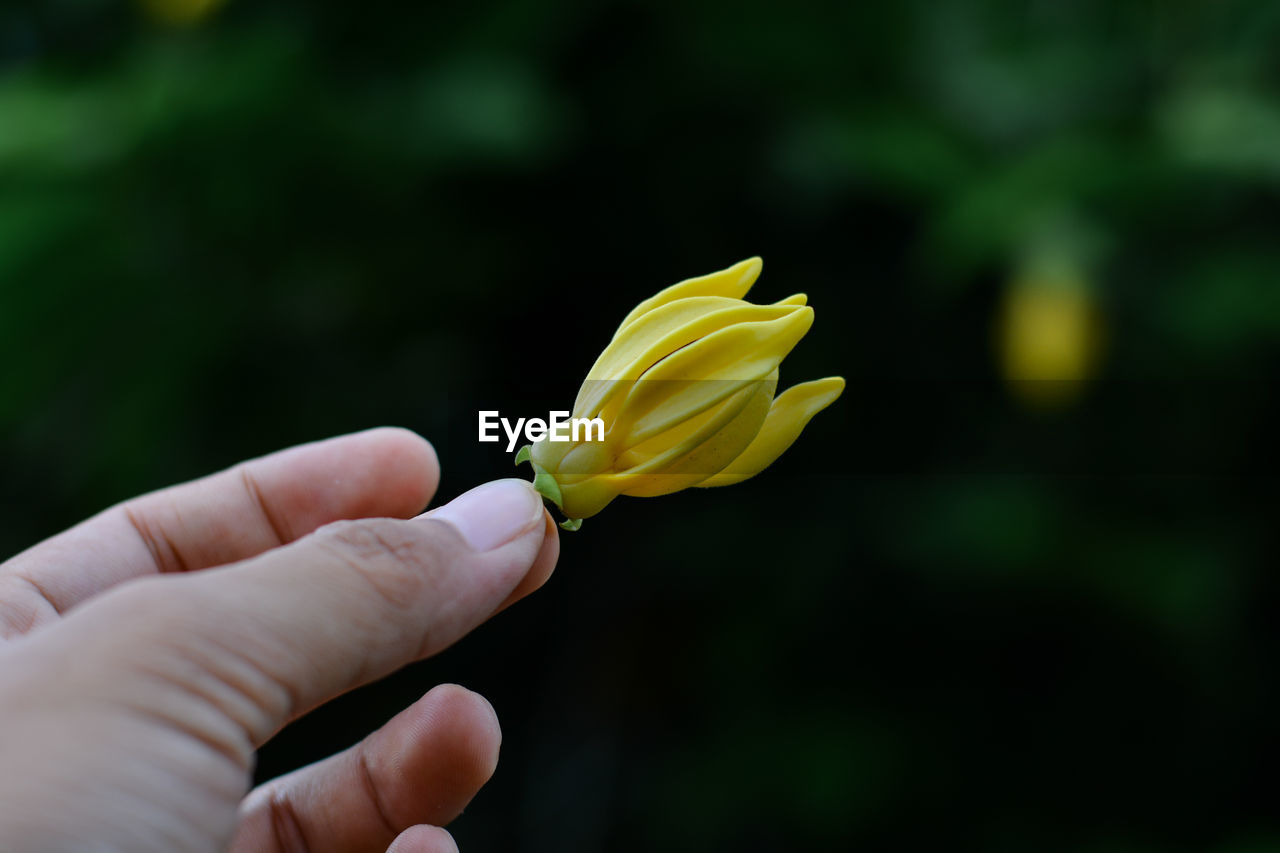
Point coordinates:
pixel 267 639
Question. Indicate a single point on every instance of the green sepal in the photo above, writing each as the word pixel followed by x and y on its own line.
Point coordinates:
pixel 547 486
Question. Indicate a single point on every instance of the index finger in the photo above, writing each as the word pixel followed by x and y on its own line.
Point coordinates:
pixel 227 517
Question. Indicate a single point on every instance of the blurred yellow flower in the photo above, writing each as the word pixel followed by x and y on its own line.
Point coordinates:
pixel 1049 333
pixel 180 12
pixel 686 393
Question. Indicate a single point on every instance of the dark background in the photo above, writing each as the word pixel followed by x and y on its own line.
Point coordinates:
pixel 959 614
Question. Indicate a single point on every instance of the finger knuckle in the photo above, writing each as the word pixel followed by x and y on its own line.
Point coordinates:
pixel 286 826
pixel 398 562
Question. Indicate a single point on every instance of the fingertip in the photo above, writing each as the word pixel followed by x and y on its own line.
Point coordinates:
pixel 471 723
pixel 434 756
pixel 387 472
pixel 543 565
pixel 493 514
pixel 412 461
pixel 424 838
pixel 549 557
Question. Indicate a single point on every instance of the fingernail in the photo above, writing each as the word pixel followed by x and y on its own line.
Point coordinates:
pixel 492 514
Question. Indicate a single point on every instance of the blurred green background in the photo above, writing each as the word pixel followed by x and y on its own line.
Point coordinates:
pixel 1014 591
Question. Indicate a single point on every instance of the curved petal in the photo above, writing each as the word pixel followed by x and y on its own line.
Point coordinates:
pixel 733 282
pixel 585 499
pixel 657 335
pixel 790 412
pixel 705 451
pixel 702 374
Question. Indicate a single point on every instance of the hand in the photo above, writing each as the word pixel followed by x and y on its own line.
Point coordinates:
pixel 147 652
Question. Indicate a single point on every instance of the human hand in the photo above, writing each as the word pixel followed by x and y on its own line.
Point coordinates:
pixel 146 653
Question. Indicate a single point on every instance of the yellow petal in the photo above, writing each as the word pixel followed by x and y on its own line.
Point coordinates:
pixel 681 466
pixel 787 417
pixel 702 374
pixel 657 335
pixel 705 451
pixel 733 282
pixel 585 499
pixel 677 445
pixel 609 458
pixel 679 434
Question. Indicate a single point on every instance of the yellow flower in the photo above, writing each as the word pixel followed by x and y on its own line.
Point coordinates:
pixel 180 12
pixel 685 394
pixel 1049 333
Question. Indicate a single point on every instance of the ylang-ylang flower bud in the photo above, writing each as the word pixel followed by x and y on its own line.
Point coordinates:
pixel 686 392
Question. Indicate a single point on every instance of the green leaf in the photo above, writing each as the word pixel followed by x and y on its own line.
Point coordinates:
pixel 571 523
pixel 524 454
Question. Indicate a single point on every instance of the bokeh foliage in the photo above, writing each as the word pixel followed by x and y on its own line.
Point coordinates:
pixel 952 615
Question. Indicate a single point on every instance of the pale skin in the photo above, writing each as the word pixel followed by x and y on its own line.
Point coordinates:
pixel 146 653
